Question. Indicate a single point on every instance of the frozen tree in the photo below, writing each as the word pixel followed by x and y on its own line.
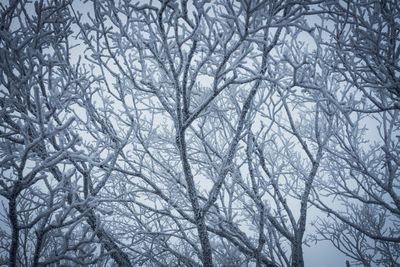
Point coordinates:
pixel 363 176
pixel 184 78
pixel 363 166
pixel 198 133
pixel 47 216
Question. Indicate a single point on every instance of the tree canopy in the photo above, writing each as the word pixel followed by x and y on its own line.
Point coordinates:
pixel 199 133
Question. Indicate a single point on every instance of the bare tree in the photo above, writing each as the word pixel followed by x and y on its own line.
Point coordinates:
pixel 42 164
pixel 197 75
pixel 363 166
pixel 198 133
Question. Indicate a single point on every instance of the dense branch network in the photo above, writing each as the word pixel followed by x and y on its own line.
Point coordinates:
pixel 198 133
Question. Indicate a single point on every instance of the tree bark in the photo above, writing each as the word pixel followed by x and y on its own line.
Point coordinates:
pixel 297 251
pixel 12 208
pixel 119 256
pixel 199 215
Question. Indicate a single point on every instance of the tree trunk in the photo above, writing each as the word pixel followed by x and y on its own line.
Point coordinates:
pixel 297 254
pixel 120 257
pixel 12 208
pixel 199 215
pixel 204 240
pixel 38 248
